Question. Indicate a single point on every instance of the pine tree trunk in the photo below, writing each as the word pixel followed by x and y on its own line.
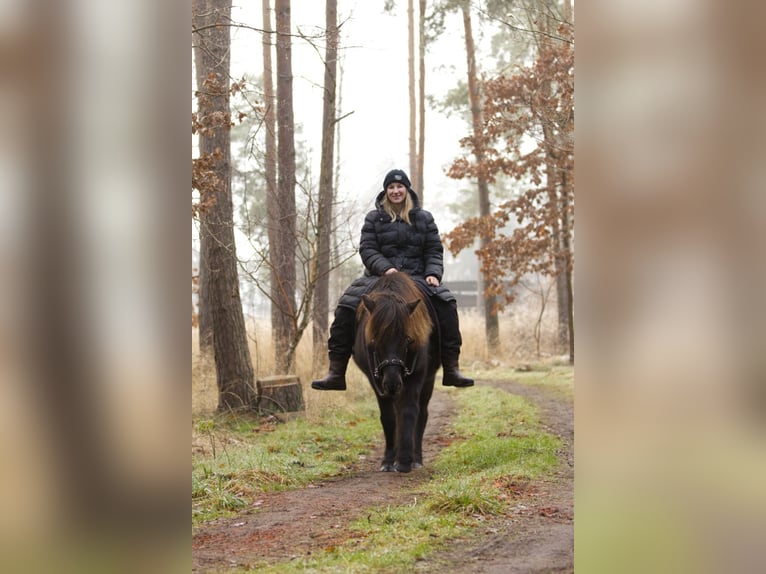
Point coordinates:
pixel 199 8
pixel 558 195
pixel 283 251
pixel 270 156
pixel 566 234
pixel 220 297
pixel 325 213
pixel 422 104
pixel 568 15
pixel 411 76
pixel 491 324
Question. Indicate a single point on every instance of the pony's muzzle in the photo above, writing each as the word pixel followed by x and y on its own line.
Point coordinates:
pixel 392 382
pixel 391 372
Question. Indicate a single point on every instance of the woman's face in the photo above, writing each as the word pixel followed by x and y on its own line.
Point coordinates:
pixel 396 193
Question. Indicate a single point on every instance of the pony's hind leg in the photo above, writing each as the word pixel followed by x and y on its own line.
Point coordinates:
pixel 425 398
pixel 417 447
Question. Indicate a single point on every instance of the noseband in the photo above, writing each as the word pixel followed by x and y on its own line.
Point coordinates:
pixel 387 363
pixel 377 366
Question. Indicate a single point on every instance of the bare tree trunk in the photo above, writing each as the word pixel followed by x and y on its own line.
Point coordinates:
pixel 422 103
pixel 566 245
pixel 337 284
pixel 270 159
pixel 568 14
pixel 558 195
pixel 324 216
pixel 220 297
pixel 283 257
pixel 199 8
pixel 555 205
pixel 411 75
pixel 491 324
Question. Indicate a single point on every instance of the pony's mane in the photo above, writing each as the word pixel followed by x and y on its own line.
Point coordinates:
pixel 391 318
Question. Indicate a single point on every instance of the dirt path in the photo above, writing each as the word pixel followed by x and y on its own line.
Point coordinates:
pixel 536 537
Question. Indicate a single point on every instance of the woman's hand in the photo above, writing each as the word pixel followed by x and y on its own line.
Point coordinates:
pixel 392 270
pixel 432 281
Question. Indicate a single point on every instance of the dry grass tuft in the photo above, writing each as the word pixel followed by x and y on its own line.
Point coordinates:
pixel 517 346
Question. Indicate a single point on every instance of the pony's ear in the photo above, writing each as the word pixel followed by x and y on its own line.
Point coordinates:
pixel 414 305
pixel 369 302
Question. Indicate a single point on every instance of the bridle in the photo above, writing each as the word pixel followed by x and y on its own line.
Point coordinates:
pixel 376 366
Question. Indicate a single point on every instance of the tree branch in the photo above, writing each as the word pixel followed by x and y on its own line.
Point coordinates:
pixel 519 29
pixel 199 29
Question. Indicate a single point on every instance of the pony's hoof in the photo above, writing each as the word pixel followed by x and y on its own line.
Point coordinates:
pixel 416 465
pixel 387 467
pixel 403 467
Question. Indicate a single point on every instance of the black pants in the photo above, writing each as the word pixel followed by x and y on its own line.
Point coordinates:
pixel 343 328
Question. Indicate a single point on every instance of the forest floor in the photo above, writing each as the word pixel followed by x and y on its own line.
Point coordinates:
pixel 536 536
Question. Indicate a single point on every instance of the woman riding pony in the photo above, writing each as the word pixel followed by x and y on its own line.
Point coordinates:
pixel 397 237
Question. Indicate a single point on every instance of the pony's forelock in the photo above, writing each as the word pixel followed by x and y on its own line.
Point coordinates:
pixel 391 316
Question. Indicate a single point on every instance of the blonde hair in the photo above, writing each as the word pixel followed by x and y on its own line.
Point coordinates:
pixel 403 213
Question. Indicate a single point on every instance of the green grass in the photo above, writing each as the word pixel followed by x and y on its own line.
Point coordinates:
pixel 499 440
pixel 244 456
pixel 502 438
pixel 387 540
pixel 466 496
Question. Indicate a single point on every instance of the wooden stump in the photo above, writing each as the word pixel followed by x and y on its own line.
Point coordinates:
pixel 279 394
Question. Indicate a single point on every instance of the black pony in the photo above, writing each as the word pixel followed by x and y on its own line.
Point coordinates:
pixel 397 348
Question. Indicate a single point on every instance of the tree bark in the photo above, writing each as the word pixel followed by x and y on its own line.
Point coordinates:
pixel 219 294
pixel 283 251
pixel 411 76
pixel 279 394
pixel 421 104
pixel 199 8
pixel 325 215
pixel 270 157
pixel 568 14
pixel 566 235
pixel 558 204
pixel 491 324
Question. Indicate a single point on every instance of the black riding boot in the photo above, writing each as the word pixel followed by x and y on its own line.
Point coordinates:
pixel 335 379
pixel 340 346
pixel 452 376
pixel 451 341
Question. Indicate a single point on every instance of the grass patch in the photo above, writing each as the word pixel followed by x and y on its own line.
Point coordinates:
pixel 390 539
pixel 237 457
pixel 502 438
pixel 552 376
pixel 463 496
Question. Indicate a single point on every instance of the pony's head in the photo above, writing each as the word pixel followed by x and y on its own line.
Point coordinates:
pixel 397 327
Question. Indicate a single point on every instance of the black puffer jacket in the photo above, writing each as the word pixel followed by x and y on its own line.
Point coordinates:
pixel 414 248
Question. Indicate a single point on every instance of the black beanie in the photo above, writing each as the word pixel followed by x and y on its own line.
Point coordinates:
pixel 396 175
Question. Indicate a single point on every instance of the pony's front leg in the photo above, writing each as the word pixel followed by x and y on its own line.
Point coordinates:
pixel 417 451
pixel 388 422
pixel 406 420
